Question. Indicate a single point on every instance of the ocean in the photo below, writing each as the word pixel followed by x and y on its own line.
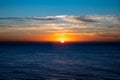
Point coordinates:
pixel 56 61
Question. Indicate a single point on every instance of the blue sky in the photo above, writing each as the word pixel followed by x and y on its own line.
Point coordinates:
pixel 32 8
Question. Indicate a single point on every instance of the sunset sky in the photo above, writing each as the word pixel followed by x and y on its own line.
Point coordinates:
pixel 57 20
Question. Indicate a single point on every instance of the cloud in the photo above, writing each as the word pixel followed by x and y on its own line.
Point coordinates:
pixel 66 18
pixel 34 19
pixel 79 19
pixel 85 20
pixel 58 16
pixel 93 19
pixel 114 27
pixel 109 35
pixel 89 25
pixel 105 18
pixel 41 19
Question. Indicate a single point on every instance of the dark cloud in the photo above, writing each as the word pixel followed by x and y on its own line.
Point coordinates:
pixel 42 19
pixel 109 35
pixel 6 26
pixel 25 19
pixel 113 27
pixel 84 19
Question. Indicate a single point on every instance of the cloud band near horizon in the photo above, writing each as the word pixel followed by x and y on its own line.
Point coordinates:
pixel 82 28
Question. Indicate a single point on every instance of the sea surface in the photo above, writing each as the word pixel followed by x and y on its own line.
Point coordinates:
pixel 56 61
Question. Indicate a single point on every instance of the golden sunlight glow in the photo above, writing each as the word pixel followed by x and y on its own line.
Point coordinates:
pixel 59 37
pixel 62 41
pixel 62 38
pixel 69 38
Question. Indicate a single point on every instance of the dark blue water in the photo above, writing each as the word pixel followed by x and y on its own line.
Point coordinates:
pixel 55 61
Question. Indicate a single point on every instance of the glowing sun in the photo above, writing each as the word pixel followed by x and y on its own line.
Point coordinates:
pixel 62 41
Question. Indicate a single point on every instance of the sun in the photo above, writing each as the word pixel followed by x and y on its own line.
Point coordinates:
pixel 62 41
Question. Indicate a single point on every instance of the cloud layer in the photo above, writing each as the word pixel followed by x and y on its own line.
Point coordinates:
pixel 89 25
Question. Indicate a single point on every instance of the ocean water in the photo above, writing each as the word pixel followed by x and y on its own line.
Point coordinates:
pixel 56 61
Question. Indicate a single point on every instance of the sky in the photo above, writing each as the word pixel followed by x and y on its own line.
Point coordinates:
pixel 32 8
pixel 56 20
